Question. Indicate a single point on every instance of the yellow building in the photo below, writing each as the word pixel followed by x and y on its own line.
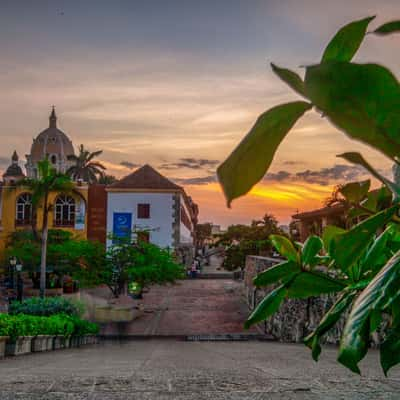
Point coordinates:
pixel 68 210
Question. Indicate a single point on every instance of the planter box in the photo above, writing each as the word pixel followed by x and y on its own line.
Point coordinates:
pixel 74 342
pixel 66 342
pixel 57 342
pixel 40 343
pixel 49 343
pixel 22 345
pixel 3 340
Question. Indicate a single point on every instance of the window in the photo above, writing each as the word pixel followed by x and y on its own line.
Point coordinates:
pixel 53 159
pixel 64 211
pixel 143 211
pixel 24 209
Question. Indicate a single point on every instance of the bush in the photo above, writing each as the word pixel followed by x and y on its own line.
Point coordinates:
pixel 59 324
pixel 83 327
pixel 46 307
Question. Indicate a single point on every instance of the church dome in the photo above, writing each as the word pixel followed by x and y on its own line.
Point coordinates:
pixel 52 142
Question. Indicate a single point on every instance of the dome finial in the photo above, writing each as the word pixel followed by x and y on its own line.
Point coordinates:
pixel 53 118
pixel 14 157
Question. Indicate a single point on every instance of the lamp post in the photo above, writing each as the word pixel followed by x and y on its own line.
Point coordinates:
pixel 20 282
pixel 13 263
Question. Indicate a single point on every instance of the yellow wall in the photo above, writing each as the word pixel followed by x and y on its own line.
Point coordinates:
pixel 9 196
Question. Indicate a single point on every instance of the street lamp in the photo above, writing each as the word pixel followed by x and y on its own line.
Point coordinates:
pixel 20 282
pixel 13 263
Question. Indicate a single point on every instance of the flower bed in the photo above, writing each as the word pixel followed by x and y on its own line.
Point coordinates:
pixel 26 333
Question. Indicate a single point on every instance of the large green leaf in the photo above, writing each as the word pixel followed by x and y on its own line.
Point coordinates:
pixel 390 350
pixel 284 247
pixel 312 246
pixel 328 321
pixel 284 270
pixel 347 41
pixel 377 199
pixel 389 27
pixel 307 284
pixel 361 99
pixel 268 306
pixel 329 232
pixel 375 256
pixel 290 78
pixel 357 158
pixel 347 248
pixel 249 162
pixel 354 192
pixel 378 295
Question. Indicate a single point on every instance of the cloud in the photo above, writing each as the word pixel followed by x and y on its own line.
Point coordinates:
pixel 205 180
pixel 324 176
pixel 129 164
pixel 190 163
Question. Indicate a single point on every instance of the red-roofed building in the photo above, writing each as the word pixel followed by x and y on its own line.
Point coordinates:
pixel 148 200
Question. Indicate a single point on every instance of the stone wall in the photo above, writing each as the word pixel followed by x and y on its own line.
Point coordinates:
pixel 296 318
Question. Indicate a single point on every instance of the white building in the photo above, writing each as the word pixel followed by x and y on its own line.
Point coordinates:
pixel 147 200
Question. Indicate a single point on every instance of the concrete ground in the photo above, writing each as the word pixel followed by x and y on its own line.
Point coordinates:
pixel 167 369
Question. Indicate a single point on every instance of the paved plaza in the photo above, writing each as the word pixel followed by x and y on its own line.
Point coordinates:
pixel 168 369
pixel 190 307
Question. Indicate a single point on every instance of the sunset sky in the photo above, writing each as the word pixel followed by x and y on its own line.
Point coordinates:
pixel 178 83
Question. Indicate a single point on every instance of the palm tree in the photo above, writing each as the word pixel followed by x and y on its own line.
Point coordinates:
pixel 49 181
pixel 84 167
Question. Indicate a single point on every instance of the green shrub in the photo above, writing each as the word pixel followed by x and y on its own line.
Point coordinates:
pixel 83 327
pixel 30 325
pixel 46 306
pixel 4 325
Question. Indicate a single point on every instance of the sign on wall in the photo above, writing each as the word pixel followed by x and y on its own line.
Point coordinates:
pixel 122 225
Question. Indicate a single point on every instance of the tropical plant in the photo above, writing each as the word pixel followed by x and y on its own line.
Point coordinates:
pixel 127 261
pixel 84 167
pixel 49 180
pixel 107 179
pixel 363 100
pixel 243 240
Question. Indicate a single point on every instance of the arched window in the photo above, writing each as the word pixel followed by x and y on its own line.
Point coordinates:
pixel 24 209
pixel 64 214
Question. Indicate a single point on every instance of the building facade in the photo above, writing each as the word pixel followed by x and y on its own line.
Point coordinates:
pixel 143 201
pixel 148 204
pixel 68 211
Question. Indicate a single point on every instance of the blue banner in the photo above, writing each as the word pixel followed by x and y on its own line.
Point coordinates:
pixel 122 225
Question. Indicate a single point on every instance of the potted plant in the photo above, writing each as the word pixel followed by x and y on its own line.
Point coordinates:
pixel 23 328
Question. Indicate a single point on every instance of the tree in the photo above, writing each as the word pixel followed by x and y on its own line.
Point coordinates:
pixel 202 233
pixel 243 240
pixel 129 261
pixel 107 179
pixel 49 181
pixel 362 100
pixel 84 168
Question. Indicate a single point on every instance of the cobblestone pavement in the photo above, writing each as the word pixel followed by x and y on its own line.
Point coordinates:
pixel 170 369
pixel 190 307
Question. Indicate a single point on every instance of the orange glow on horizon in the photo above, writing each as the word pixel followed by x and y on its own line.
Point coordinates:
pixel 280 199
